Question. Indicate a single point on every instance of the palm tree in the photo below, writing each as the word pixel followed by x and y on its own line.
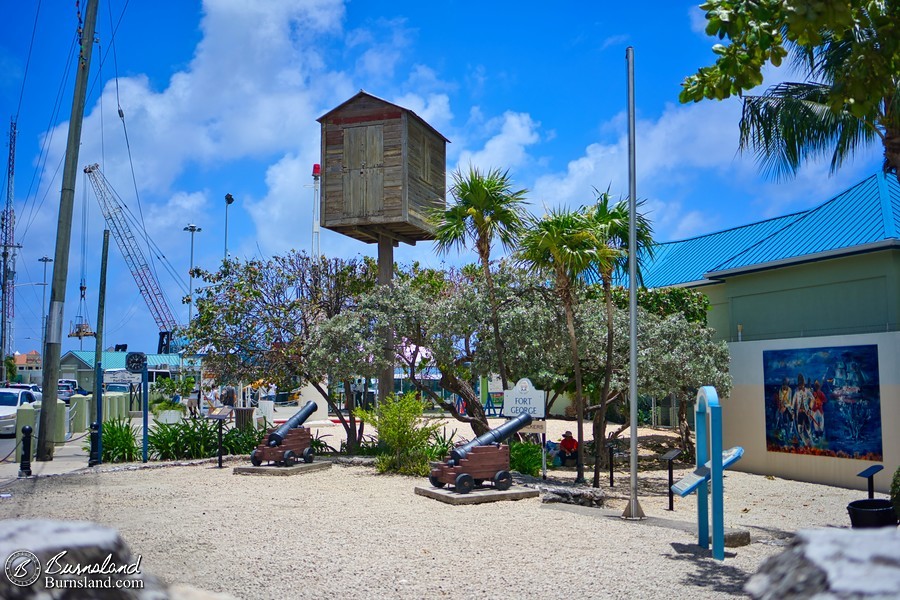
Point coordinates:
pixel 792 122
pixel 486 208
pixel 609 224
pixel 563 244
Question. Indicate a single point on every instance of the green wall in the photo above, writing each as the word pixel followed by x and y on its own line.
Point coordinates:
pixel 849 295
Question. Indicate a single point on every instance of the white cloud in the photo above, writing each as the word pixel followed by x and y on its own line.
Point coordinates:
pixel 506 148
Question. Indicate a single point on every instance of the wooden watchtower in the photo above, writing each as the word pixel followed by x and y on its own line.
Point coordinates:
pixel 383 171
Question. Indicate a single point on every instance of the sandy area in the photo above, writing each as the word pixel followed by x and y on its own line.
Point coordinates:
pixel 348 532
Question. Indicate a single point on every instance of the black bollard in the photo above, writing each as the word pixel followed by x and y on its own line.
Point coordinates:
pixel 25 464
pixel 93 459
pixel 611 465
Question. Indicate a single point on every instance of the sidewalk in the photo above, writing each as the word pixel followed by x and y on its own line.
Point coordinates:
pixel 72 456
pixel 67 457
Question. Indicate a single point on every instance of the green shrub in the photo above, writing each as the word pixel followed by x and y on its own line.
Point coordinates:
pixel 895 492
pixel 199 438
pixel 243 441
pixel 164 441
pixel 120 441
pixel 525 458
pixel 398 421
pixel 320 446
pixel 440 444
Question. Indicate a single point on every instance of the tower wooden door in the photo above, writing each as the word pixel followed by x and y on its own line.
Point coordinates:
pixel 363 171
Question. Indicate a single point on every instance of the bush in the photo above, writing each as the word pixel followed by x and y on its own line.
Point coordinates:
pixel 120 441
pixel 439 445
pixel 526 458
pixel 895 492
pixel 242 440
pixel 405 438
pixel 198 438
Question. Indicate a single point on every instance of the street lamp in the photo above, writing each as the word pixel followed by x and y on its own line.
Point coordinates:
pixel 228 200
pixel 44 259
pixel 193 229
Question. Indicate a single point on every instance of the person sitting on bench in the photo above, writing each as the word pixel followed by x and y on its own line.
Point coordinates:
pixel 568 448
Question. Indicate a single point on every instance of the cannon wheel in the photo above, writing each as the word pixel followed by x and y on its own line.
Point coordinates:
pixel 288 458
pixel 502 480
pixel 464 483
pixel 255 460
pixel 436 482
pixel 308 455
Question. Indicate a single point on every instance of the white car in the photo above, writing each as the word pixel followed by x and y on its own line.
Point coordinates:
pixel 10 400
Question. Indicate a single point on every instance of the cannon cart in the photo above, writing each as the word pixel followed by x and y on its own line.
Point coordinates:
pixel 481 460
pixel 288 443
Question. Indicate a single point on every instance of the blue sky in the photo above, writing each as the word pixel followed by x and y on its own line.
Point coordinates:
pixel 222 96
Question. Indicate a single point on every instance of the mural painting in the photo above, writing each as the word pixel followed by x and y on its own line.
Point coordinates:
pixel 823 401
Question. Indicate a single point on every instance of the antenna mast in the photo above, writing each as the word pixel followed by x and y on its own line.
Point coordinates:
pixel 8 242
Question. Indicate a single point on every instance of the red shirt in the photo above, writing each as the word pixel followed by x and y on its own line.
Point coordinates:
pixel 569 444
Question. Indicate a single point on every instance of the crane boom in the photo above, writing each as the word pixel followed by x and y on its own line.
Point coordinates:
pixel 111 206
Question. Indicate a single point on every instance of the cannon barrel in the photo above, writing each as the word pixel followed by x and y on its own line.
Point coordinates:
pixel 494 436
pixel 277 436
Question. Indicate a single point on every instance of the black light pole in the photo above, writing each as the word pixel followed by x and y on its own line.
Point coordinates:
pixel 229 199
pixel 193 229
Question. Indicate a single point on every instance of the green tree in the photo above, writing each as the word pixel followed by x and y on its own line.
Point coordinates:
pixel 256 319
pixel 610 225
pixel 563 244
pixel 848 53
pixel 485 208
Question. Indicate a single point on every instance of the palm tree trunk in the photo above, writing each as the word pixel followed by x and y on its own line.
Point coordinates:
pixel 495 320
pixel 892 152
pixel 600 415
pixel 579 404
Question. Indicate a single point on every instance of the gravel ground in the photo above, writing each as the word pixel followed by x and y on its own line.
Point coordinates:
pixel 348 532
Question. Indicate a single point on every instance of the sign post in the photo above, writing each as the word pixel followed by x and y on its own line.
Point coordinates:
pixel 524 398
pixel 136 362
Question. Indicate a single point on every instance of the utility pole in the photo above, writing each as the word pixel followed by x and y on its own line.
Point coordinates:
pixel 53 343
pixel 229 199
pixel 8 234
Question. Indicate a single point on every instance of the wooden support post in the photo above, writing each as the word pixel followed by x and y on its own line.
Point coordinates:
pixel 385 274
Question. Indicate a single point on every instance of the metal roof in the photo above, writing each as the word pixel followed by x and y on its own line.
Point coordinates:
pixel 863 218
pixel 116 360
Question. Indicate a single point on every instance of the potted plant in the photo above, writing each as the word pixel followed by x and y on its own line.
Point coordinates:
pixel 877 512
pixel 167 411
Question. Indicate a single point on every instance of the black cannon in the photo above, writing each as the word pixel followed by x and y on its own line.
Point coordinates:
pixel 288 442
pixel 484 458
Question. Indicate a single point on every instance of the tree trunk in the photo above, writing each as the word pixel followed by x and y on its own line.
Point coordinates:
pixel 579 403
pixel 892 151
pixel 684 431
pixel 495 320
pixel 600 415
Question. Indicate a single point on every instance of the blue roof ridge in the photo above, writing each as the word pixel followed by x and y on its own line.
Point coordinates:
pixel 735 228
pixel 801 217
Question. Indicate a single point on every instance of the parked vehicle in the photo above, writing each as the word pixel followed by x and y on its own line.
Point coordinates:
pixel 10 400
pixel 118 387
pixel 65 391
pixel 32 387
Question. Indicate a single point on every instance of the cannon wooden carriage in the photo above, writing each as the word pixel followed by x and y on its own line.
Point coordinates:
pixel 481 460
pixel 288 443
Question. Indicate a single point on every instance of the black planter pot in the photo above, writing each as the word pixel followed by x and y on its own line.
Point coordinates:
pixel 876 512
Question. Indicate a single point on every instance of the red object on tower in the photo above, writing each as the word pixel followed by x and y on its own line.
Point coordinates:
pixel 317 170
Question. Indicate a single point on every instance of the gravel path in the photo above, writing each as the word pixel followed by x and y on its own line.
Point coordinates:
pixel 347 532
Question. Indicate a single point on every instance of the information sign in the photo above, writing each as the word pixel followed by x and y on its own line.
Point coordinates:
pixel 523 398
